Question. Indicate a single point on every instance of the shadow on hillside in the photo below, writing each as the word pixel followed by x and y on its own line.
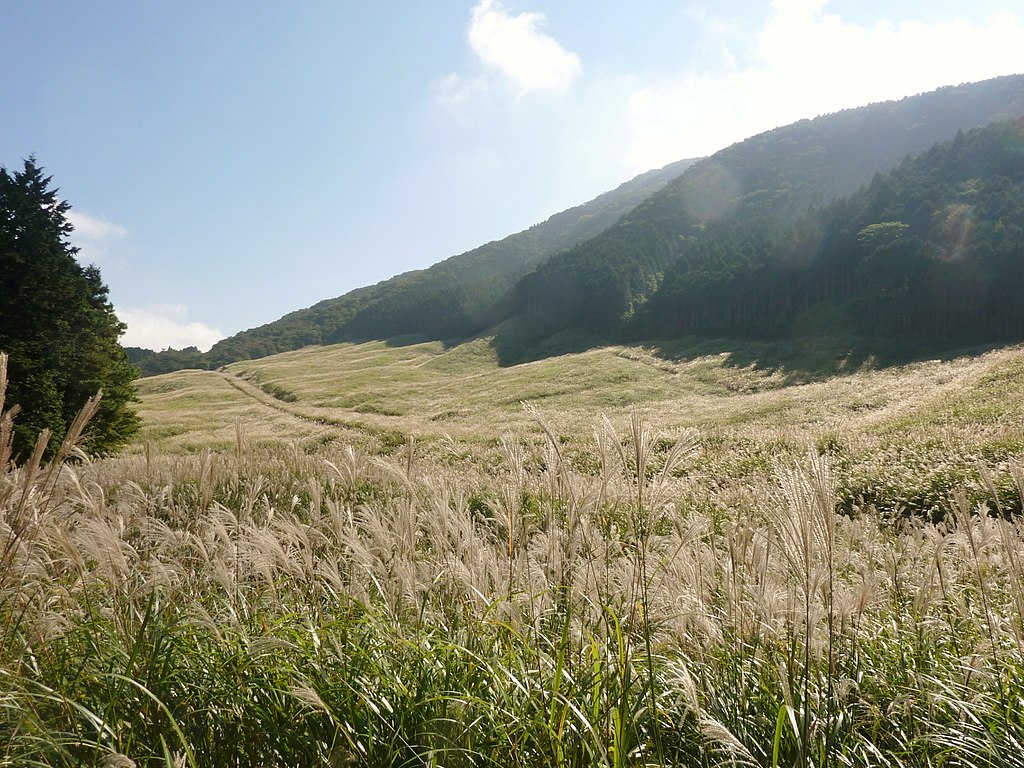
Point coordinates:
pixel 800 360
pixel 811 358
pixel 409 340
pixel 515 345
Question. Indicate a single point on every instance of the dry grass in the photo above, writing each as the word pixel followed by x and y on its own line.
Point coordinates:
pixel 744 571
pixel 426 389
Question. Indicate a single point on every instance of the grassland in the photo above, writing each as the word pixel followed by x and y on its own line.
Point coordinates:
pixel 426 389
pixel 924 426
pixel 376 555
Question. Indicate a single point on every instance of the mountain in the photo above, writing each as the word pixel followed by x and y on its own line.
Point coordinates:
pixel 455 298
pixel 685 249
pixel 600 284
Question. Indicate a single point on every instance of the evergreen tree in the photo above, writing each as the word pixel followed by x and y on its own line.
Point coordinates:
pixel 56 322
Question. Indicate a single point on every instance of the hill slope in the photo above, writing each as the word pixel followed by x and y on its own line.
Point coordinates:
pixel 432 391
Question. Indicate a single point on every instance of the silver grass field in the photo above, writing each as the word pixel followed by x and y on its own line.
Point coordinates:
pixel 592 584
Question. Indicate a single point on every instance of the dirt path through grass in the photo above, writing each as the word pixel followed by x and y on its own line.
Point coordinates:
pixel 269 401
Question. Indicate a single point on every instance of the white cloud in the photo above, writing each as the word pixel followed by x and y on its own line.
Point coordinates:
pixel 514 46
pixel 807 62
pixel 160 326
pixel 96 239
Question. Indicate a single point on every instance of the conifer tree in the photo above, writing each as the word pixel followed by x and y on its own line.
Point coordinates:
pixel 56 322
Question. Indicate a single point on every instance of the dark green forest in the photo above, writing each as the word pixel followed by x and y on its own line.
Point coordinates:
pixel 932 254
pixel 715 208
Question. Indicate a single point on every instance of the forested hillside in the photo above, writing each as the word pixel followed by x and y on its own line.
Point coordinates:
pixel 932 254
pixel 720 204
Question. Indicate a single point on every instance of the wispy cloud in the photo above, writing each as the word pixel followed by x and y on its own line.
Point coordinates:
pixel 805 62
pixel 96 239
pixel 513 47
pixel 160 326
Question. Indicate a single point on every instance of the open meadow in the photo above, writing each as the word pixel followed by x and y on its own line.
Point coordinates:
pixel 405 555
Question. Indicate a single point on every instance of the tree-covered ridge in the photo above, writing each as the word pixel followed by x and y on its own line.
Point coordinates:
pixel 774 176
pixel 932 254
pixel 455 298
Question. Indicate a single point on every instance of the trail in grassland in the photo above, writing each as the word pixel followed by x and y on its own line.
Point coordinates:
pixel 269 401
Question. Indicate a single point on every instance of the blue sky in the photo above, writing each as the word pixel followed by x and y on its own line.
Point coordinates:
pixel 229 162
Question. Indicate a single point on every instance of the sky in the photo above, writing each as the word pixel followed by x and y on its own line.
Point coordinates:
pixel 229 162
